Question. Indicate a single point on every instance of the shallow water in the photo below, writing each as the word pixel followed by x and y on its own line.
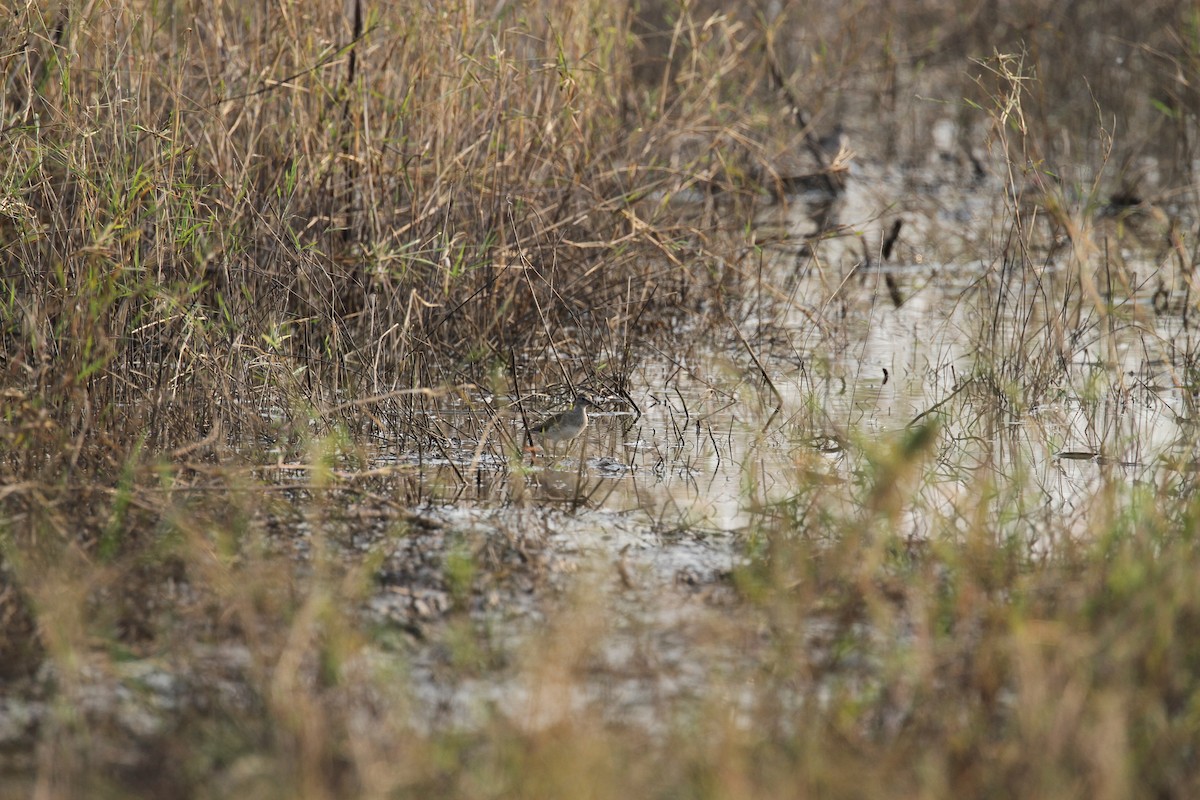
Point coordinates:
pixel 1042 399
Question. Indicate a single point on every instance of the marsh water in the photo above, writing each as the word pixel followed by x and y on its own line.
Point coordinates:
pixel 635 533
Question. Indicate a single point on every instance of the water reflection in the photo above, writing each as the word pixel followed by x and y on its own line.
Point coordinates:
pixel 809 380
pixel 711 444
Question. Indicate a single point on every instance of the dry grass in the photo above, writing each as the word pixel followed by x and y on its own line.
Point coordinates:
pixel 238 242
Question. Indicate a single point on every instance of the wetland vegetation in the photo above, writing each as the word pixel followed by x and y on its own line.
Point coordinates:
pixel 887 314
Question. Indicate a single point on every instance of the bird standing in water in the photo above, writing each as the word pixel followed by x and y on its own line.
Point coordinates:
pixel 567 425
